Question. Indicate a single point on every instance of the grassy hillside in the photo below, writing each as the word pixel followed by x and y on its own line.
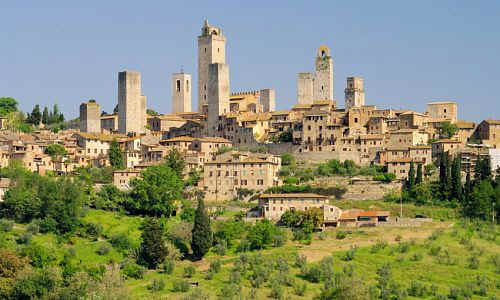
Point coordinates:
pixel 438 260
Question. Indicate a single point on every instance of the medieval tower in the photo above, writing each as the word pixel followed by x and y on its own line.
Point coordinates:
pixel 131 103
pixel 318 86
pixel 354 92
pixel 267 98
pixel 90 117
pixel 211 50
pixel 218 95
pixel 323 77
pixel 181 93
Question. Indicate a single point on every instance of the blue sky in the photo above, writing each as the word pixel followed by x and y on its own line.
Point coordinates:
pixel 409 52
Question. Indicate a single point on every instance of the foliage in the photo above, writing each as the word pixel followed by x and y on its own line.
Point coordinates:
pixel 447 129
pixel 189 271
pixel 7 105
pixel 337 191
pixel 157 285
pixel 154 194
pixel 132 270
pixel 180 286
pixel 262 235
pixel 115 155
pixel 194 176
pixel 109 197
pixel 202 232
pixel 305 219
pixel 55 150
pixel 287 159
pixel 223 150
pixel 175 161
pixel 153 249
pixel 385 177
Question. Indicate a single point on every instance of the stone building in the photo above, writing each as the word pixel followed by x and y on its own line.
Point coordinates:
pixel 217 96
pixel 163 123
pixel 234 170
pixel 272 206
pixel 109 123
pixel 181 93
pixel 122 178
pixel 90 117
pixel 354 92
pixel 488 131
pixel 443 111
pixel 401 167
pixel 319 86
pixel 267 100
pixel 211 50
pixel 131 103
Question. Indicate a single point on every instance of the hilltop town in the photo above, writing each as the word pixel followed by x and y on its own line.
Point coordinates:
pixel 233 199
pixel 316 128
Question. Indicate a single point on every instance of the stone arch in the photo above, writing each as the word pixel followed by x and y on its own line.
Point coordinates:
pixel 324 51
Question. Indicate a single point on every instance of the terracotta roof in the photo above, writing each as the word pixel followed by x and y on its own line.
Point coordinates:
pixel 322 102
pixel 447 141
pixel 301 106
pixel 180 139
pixel 106 137
pixel 214 139
pixel 109 117
pixel 404 160
pixel 293 195
pixel 441 102
pixel 281 112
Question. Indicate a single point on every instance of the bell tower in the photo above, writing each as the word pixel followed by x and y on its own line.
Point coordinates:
pixel 323 79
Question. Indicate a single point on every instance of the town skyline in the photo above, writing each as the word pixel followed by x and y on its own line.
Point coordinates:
pixel 400 83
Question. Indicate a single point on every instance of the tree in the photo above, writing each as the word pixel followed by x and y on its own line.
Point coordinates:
pixel 36 116
pixel 153 249
pixel 468 185
pixel 55 150
pixel 7 105
pixel 447 129
pixel 444 175
pixel 175 161
pixel 154 194
pixel 115 155
pixel 457 189
pixel 45 116
pixel 151 112
pixel 287 159
pixel 202 232
pixel 479 203
pixel 410 182
pixel 419 178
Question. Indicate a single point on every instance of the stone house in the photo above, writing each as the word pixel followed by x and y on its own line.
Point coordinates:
pixel 445 145
pixel 401 167
pixel 273 206
pixel 165 122
pixel 234 170
pixel 407 137
pixel 443 111
pixel 109 123
pixel 488 131
pixel 122 178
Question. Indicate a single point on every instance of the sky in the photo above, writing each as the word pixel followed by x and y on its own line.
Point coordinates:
pixel 408 52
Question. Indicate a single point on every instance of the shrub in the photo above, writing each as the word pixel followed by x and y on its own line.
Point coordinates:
pixel 221 248
pixel 121 242
pixel 398 238
pixel 6 225
pixel 168 266
pixel 435 234
pixel 180 286
pixel 379 245
pixel 340 235
pixel 349 255
pixel 132 270
pixel 416 256
pixel 48 225
pixel 434 251
pixel 215 266
pixel 40 256
pixel 93 230
pixel 473 262
pixel 276 291
pixel 322 235
pixel 300 260
pixel 189 271
pixel 25 238
pixel 235 276
pixel 157 285
pixel 416 289
pixel 33 228
pixel 495 260
pixel 311 273
pixel 403 247
pixel 230 291
pixel 103 250
pixel 300 288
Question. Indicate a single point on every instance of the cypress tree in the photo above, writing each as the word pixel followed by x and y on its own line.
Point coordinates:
pixel 486 169
pixel 468 185
pixel 115 155
pixel 457 179
pixel 202 233
pixel 419 174
pixel 443 175
pixel 45 116
pixel 411 176
pixel 153 249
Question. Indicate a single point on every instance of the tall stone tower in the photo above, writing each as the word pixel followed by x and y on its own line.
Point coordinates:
pixel 181 93
pixel 305 88
pixel 218 95
pixel 354 92
pixel 323 79
pixel 211 50
pixel 90 117
pixel 131 103
pixel 267 100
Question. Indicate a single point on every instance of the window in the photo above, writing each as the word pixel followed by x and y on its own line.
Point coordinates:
pixel 187 85
pixel 355 120
pixel 178 85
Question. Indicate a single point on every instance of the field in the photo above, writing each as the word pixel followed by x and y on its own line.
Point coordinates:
pixel 438 259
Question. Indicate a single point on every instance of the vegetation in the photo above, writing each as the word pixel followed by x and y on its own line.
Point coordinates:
pixel 447 129
pixel 115 155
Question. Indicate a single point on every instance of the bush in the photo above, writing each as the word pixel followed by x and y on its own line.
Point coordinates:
pixel 6 225
pixel 132 270
pixel 189 271
pixel 403 247
pixel 121 242
pixel 157 285
pixel 33 228
pixel 340 235
pixel 40 256
pixel 93 230
pixel 25 238
pixel 300 260
pixel 215 266
pixel 416 289
pixel 221 248
pixel 398 238
pixel 103 250
pixel 379 245
pixel 180 286
pixel 473 262
pixel 168 266
pixel 495 260
pixel 230 291
pixel 47 225
pixel 416 257
pixel 349 255
pixel 276 291
pixel 300 288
